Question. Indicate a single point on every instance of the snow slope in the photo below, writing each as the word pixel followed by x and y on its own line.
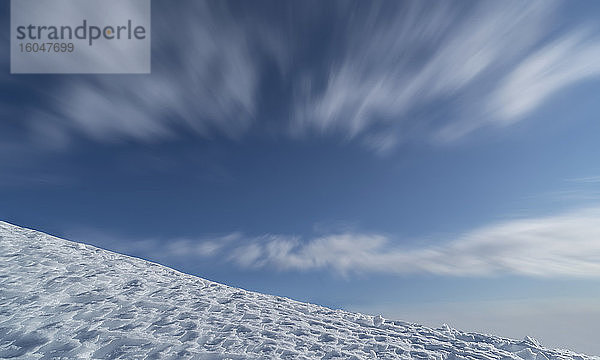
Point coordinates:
pixel 60 299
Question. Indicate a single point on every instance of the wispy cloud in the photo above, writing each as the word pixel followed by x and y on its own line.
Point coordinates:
pixel 557 65
pixel 376 73
pixel 564 245
pixel 394 66
pixel 586 180
pixel 156 248
pixel 580 192
pixel 205 77
pixel 443 71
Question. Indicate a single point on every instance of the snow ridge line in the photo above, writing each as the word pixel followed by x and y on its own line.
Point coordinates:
pixel 64 299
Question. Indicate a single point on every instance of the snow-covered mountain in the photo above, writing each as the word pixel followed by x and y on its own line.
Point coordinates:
pixel 61 299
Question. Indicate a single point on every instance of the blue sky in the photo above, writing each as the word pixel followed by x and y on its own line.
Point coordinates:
pixel 430 162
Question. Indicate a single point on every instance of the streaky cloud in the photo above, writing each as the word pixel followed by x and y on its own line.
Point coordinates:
pixel 563 245
pixel 379 74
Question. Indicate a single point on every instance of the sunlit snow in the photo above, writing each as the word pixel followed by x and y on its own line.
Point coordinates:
pixel 61 299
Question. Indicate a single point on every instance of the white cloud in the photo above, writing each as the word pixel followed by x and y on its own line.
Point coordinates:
pixel 386 72
pixel 465 68
pixel 559 64
pixel 155 248
pixel 199 247
pixel 562 245
pixel 424 55
pixel 205 75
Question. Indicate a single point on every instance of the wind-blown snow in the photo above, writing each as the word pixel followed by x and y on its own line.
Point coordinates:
pixel 61 299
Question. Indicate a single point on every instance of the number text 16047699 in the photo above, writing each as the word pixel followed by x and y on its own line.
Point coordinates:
pixel 49 47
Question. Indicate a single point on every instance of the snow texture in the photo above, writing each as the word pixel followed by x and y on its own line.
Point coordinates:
pixel 61 299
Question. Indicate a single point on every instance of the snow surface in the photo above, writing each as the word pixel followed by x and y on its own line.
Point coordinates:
pixel 61 299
